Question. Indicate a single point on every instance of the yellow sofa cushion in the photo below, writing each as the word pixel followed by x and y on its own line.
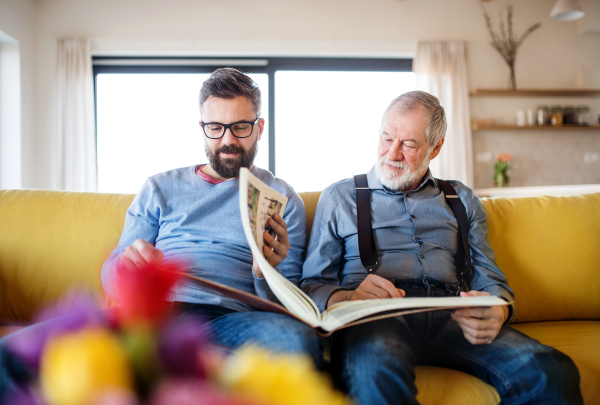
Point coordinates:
pixel 52 241
pixel 549 250
pixel 438 385
pixel 580 340
pixel 310 199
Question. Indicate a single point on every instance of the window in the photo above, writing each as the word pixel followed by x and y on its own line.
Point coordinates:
pixel 148 124
pixel 322 116
pixel 328 123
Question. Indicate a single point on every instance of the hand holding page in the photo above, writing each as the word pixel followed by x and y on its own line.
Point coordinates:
pixel 261 203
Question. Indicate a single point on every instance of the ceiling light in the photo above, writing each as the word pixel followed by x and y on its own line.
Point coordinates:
pixel 566 10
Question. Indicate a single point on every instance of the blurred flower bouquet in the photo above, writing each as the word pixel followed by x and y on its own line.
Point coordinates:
pixel 501 167
pixel 136 354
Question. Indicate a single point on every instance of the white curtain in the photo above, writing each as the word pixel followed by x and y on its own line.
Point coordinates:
pixel 74 135
pixel 441 70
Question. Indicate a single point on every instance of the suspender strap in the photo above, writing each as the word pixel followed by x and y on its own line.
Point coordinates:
pixel 366 245
pixel 462 251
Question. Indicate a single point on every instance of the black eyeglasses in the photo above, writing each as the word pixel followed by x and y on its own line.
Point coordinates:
pixel 240 129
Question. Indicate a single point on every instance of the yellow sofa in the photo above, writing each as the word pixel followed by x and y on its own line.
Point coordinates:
pixel 548 247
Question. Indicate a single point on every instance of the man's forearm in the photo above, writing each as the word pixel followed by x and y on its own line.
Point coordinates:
pixel 339 296
pixel 108 274
pixel 505 314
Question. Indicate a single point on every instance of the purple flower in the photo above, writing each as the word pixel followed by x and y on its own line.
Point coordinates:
pixel 75 312
pixel 180 347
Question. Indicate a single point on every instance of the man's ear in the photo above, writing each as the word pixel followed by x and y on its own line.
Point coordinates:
pixel 261 127
pixel 437 148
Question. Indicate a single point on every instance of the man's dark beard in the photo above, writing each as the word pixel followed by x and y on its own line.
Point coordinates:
pixel 229 168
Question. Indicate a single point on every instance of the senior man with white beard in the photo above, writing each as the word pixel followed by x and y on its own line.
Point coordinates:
pixel 415 238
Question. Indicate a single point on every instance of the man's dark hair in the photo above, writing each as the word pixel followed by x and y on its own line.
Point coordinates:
pixel 230 83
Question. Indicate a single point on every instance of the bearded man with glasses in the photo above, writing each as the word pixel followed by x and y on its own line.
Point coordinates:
pixel 193 213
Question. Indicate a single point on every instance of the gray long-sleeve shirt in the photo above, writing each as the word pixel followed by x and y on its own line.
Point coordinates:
pixel 415 235
pixel 198 222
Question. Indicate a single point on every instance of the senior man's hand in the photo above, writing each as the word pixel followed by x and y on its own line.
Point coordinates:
pixel 141 253
pixel 480 325
pixel 276 247
pixel 372 287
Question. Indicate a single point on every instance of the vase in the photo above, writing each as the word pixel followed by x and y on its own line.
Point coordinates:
pixel 501 179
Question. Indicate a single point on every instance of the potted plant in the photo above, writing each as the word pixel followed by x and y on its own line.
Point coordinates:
pixel 501 167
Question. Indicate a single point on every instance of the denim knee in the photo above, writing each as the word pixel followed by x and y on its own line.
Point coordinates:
pixel 558 376
pixel 14 376
pixel 275 332
pixel 374 362
pixel 297 337
pixel 550 377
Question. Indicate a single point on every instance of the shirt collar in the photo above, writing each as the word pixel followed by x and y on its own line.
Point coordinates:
pixel 375 184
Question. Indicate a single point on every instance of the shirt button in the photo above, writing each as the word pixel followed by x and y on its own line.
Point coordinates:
pixel 417 239
pixel 422 257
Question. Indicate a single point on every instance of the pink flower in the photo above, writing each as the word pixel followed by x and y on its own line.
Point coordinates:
pixel 504 157
pixel 188 391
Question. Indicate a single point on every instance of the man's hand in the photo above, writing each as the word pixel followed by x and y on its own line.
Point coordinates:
pixel 275 247
pixel 141 253
pixel 372 287
pixel 480 325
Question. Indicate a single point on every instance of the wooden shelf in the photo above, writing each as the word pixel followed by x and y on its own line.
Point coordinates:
pixel 536 92
pixel 533 128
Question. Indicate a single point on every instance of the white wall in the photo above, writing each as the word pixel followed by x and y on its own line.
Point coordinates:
pixel 10 113
pixel 590 23
pixel 551 58
pixel 16 93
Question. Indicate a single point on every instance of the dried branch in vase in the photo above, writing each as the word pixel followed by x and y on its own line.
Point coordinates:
pixel 505 41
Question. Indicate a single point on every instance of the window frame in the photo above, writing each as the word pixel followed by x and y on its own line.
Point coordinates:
pixel 254 64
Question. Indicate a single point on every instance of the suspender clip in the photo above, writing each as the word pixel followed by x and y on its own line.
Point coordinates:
pixel 371 269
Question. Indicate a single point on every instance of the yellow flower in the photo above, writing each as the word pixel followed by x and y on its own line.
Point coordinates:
pixel 278 379
pixel 77 368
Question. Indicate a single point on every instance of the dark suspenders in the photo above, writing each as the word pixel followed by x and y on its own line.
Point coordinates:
pixel 366 244
pixel 462 250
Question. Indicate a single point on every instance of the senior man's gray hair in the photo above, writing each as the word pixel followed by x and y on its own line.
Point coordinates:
pixel 430 105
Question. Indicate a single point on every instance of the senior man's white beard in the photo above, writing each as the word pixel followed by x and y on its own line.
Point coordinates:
pixel 403 180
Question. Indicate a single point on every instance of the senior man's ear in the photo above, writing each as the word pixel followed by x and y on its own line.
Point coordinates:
pixel 437 148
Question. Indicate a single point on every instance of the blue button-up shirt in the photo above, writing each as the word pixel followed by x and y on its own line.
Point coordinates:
pixel 415 235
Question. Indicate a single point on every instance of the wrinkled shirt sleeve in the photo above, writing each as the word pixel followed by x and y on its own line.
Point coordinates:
pixel 486 275
pixel 141 222
pixel 320 277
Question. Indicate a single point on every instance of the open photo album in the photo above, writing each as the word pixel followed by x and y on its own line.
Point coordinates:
pixel 258 203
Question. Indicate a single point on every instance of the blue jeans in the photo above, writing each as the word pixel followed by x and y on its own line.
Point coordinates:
pixel 276 332
pixel 375 361
pixel 228 329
